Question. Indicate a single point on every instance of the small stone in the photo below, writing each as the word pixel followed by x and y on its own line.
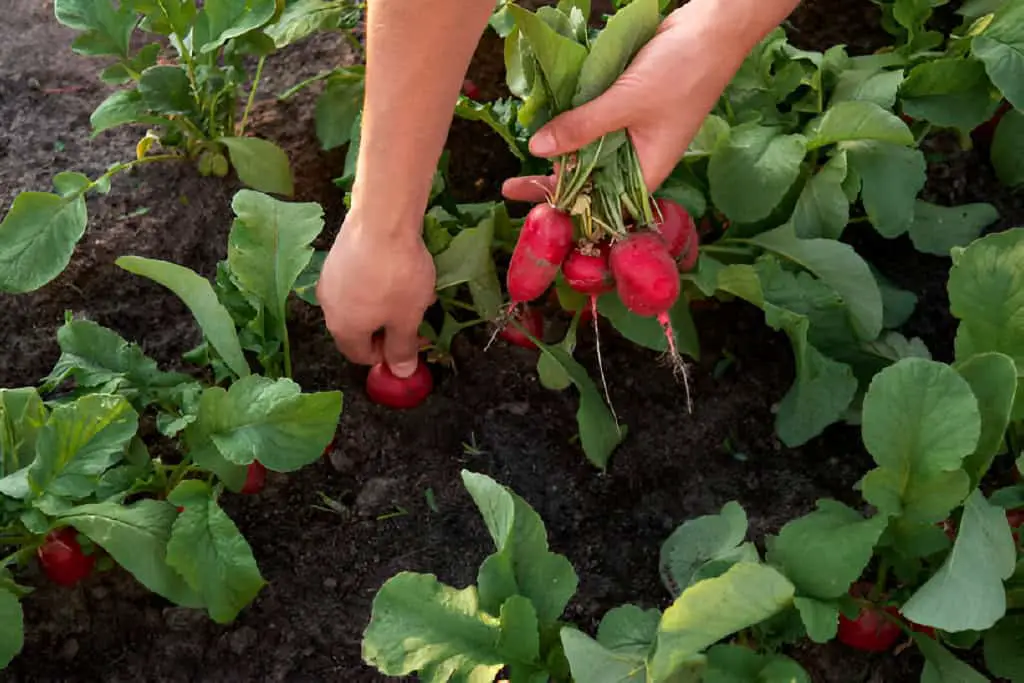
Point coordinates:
pixel 69 650
pixel 330 583
pixel 33 83
pixel 183 618
pixel 341 462
pixel 376 494
pixel 242 639
pixel 517 408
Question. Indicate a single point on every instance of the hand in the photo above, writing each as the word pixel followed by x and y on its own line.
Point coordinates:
pixel 377 281
pixel 661 100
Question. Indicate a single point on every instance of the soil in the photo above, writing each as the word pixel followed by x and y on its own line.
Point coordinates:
pixel 386 468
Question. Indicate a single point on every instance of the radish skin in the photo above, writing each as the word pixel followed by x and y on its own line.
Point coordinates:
pixel 676 226
pixel 544 243
pixel 646 276
pixel 586 270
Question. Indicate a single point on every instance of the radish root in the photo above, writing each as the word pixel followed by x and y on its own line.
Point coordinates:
pixel 600 359
pixel 679 368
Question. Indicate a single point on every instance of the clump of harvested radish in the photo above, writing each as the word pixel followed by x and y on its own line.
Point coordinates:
pixel 647 281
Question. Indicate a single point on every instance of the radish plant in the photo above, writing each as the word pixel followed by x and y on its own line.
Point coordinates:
pixel 82 486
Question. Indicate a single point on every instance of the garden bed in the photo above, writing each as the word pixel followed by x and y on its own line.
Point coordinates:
pixel 396 475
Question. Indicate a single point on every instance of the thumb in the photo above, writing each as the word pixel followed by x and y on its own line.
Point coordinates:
pixel 577 128
pixel 401 349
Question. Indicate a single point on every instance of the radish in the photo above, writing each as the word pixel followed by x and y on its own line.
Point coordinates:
pixel 647 281
pixel 255 478
pixel 62 558
pixel 586 270
pixel 544 243
pixel 533 321
pixel 676 226
pixel 688 259
pixel 386 389
pixel 470 90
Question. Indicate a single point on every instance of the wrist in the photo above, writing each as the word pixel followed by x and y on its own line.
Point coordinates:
pixel 739 25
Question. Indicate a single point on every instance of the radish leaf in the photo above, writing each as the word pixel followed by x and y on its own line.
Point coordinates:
pixel 37 238
pixel 260 164
pixel 12 627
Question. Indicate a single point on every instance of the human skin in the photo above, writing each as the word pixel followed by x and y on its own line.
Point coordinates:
pixel 379 278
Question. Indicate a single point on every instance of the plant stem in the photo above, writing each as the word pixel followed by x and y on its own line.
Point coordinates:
pixel 287 350
pixel 298 87
pixel 127 166
pixel 354 44
pixel 252 96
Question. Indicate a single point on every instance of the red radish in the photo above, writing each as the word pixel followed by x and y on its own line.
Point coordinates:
pixel 532 320
pixel 983 134
pixel 586 270
pixel 917 628
pixel 470 90
pixel 255 478
pixel 1016 521
pixel 62 558
pixel 180 509
pixel 386 389
pixel 676 227
pixel 544 243
pixel 688 261
pixel 645 274
pixel 871 631
pixel 907 120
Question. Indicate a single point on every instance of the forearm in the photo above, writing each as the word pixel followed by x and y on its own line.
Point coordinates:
pixel 417 56
pixel 736 26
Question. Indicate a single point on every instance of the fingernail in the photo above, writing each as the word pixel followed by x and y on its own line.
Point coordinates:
pixel 404 370
pixel 543 143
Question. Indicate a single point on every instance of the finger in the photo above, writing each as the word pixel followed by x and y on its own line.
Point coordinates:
pixel 578 127
pixel 402 348
pixel 535 188
pixel 358 347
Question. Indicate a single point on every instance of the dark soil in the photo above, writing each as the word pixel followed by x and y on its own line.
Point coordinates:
pixel 491 417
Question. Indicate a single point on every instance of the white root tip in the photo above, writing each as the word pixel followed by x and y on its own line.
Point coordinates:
pixel 600 359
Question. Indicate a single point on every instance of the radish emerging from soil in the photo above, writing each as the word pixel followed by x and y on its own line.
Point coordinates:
pixel 872 630
pixel 62 558
pixel 647 280
pixel 386 389
pixel 255 478
pixel 544 243
pixel 532 321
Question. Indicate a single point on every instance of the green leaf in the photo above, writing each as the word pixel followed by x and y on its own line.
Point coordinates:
pixel 1008 149
pixel 70 183
pixel 120 108
pixel 821 619
pixel 520 637
pixel 418 624
pixel 920 420
pixel 500 116
pixel 986 293
pixel 647 331
pixel 993 379
pixel 858 120
pixel 560 59
pixel 822 209
pixel 1001 47
pixel 837 265
pixel 12 627
pixel 623 35
pixel 207 549
pixel 600 433
pixel 1004 648
pixel 197 293
pixel 592 662
pixel 710 610
pixel 269 247
pixel 941 666
pixel 167 17
pixel 167 90
pixel 950 93
pixel 628 629
pixel 303 18
pixel 81 441
pixel 99 359
pixel 891 176
pixel 937 229
pixel 698 541
pixel 221 20
pixel 467 258
pixel 551 375
pixel 136 537
pixel 751 171
pixel 738 664
pixel 338 107
pixel 260 164
pixel 824 552
pixel 22 416
pixel 267 420
pixel 37 238
pixel 522 564
pixel 106 30
pixel 967 591
pixel 867 85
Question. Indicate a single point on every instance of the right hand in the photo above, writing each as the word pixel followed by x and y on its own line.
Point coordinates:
pixel 374 288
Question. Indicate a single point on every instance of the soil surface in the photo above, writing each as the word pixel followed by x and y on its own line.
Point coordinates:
pixel 492 416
